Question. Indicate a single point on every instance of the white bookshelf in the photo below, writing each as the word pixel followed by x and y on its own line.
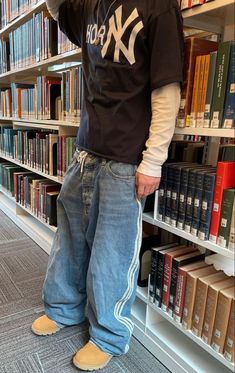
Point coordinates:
pixel 36 171
pixel 148 217
pixel 40 232
pixel 178 349
pixel 22 18
pixel 210 132
pixel 213 16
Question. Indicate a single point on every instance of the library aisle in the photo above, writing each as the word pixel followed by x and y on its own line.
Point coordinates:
pixel 22 271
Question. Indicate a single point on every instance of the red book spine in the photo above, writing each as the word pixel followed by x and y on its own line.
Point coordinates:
pixel 166 282
pixel 180 294
pixel 225 178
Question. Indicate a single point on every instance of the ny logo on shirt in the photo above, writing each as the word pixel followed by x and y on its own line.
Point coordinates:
pixel 117 30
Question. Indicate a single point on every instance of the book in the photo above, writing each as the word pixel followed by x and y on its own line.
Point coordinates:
pixel 167 272
pixel 51 211
pixel 178 262
pixel 226 217
pixel 153 272
pixel 223 309
pixel 145 259
pixel 219 89
pixel 211 304
pixel 225 178
pixel 203 91
pixel 190 196
pixel 206 206
pixel 190 292
pixel 229 106
pixel 181 287
pixel 160 272
pixel 229 346
pixel 231 240
pixel 197 202
pixel 193 47
pixel 209 90
pixel 200 300
pixel 195 91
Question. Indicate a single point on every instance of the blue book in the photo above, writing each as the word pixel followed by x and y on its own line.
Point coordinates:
pixel 229 107
pixel 206 209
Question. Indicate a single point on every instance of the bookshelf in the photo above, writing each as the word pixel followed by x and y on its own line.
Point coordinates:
pixel 178 349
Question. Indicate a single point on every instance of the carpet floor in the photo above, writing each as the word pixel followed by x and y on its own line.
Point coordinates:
pixel 22 271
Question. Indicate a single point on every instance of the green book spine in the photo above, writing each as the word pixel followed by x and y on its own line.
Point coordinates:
pixel 209 92
pixel 226 217
pixel 231 241
pixel 220 84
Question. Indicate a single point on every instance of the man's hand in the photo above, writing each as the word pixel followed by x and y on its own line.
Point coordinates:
pixel 146 185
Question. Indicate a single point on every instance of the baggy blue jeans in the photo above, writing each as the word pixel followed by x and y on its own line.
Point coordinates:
pixel 93 266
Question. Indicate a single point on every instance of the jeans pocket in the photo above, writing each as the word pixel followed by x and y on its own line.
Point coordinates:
pixel 121 170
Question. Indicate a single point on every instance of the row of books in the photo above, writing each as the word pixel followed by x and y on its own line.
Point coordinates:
pixel 42 150
pixel 50 98
pixel 32 191
pixel 187 4
pixel 194 294
pixel 199 199
pixel 11 9
pixel 208 94
pixel 36 40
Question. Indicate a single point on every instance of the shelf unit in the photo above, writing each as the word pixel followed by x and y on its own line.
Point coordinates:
pixel 148 217
pixel 179 350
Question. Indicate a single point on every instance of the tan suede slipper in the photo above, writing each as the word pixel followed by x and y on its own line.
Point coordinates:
pixel 44 326
pixel 90 357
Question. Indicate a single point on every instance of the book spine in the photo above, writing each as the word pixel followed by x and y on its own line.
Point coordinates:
pixel 166 282
pixel 229 107
pixel 206 208
pixel 226 217
pixel 162 194
pixel 225 178
pixel 168 194
pixel 197 203
pixel 182 198
pixel 220 84
pixel 209 92
pixel 175 195
pixel 153 276
pixel 180 295
pixel 190 200
pixel 159 279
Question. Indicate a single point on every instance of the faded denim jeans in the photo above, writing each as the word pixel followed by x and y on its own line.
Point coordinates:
pixel 93 266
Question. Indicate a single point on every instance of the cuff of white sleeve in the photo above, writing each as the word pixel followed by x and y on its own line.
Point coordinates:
pixel 53 7
pixel 149 170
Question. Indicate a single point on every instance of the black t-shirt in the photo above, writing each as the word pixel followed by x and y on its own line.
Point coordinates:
pixel 140 49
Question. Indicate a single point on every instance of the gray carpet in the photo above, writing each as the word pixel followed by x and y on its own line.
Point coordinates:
pixel 22 270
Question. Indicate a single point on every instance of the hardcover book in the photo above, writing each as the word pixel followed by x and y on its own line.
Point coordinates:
pixel 225 178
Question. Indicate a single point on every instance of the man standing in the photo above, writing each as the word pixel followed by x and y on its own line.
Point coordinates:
pixel 132 64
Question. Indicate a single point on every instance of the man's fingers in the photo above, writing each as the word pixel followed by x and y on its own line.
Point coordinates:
pixel 146 185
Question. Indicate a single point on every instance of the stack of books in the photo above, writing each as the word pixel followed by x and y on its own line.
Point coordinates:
pixel 208 96
pixel 194 294
pixel 192 196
